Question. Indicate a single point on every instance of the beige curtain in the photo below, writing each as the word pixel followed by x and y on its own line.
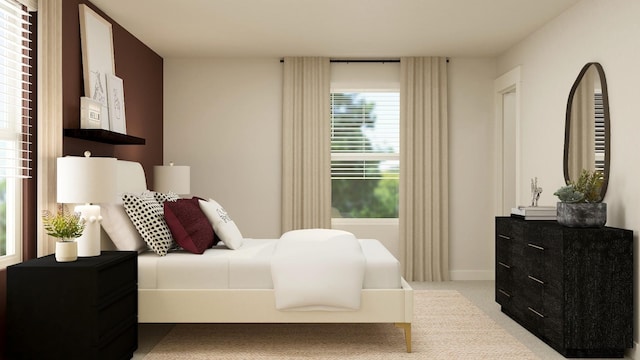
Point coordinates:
pixel 582 143
pixel 424 195
pixel 306 151
pixel 49 146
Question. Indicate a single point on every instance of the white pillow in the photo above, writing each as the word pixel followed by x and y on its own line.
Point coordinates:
pixel 118 226
pixel 146 211
pixel 222 224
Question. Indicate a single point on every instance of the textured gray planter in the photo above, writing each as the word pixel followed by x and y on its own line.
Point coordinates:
pixel 582 214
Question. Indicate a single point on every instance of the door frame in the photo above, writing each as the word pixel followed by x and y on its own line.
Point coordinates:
pixel 506 83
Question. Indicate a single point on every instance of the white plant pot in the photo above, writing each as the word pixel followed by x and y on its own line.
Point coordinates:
pixel 66 251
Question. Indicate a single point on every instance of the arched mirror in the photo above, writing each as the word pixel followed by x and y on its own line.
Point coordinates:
pixel 586 139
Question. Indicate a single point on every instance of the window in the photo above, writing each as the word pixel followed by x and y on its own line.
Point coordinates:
pixel 15 112
pixel 365 154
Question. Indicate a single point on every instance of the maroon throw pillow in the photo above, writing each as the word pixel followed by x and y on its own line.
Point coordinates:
pixel 188 224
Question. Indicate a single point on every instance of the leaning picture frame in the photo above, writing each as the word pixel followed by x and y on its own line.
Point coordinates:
pixel 97 57
pixel 115 92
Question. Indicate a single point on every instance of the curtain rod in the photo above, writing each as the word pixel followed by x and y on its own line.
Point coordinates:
pixel 363 60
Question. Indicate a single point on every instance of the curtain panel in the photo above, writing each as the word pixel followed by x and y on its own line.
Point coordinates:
pixel 306 144
pixel 49 118
pixel 424 194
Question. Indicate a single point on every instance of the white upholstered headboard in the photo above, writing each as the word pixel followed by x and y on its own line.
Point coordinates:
pixel 130 179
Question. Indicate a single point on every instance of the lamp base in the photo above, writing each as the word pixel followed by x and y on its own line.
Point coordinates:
pixel 89 242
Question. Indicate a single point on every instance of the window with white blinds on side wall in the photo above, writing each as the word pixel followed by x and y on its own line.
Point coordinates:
pixel 15 88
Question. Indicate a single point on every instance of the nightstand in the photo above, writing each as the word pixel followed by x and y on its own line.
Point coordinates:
pixel 86 309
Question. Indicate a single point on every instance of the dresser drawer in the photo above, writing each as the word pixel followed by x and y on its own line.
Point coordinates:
pixel 503 296
pixel 535 256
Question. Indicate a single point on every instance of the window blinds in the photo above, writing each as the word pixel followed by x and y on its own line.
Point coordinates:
pixel 365 140
pixel 15 90
pixel 599 130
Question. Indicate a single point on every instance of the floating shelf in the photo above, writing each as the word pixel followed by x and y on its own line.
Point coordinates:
pixel 104 136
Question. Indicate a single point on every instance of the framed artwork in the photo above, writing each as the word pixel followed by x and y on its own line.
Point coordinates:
pixel 115 95
pixel 97 57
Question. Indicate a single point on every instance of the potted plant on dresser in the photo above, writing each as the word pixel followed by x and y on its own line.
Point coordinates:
pixel 65 226
pixel 580 201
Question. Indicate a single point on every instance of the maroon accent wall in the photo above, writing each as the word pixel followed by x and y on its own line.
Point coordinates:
pixel 141 70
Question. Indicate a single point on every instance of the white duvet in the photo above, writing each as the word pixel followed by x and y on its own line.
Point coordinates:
pixel 318 269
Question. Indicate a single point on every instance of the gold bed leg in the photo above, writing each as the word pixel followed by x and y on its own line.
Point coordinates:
pixel 407 334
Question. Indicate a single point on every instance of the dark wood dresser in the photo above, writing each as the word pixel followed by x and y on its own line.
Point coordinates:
pixel 571 287
pixel 86 309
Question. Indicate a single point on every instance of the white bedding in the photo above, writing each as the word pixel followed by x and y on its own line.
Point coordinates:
pixel 248 268
pixel 317 269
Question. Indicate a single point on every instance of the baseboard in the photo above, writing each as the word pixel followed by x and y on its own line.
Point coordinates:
pixel 472 275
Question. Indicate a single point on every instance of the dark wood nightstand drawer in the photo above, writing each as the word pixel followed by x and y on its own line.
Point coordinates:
pixel 113 315
pixel 120 346
pixel 90 313
pixel 116 278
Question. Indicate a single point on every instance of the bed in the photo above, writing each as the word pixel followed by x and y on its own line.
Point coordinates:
pixel 178 288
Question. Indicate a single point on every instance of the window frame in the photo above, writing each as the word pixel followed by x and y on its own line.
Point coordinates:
pixel 19 132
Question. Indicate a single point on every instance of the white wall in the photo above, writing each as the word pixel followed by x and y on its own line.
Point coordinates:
pixel 222 117
pixel 592 30
pixel 471 185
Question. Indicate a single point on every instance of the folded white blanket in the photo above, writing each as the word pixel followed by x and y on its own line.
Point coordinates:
pixel 318 269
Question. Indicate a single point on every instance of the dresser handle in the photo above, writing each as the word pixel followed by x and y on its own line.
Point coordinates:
pixel 504 293
pixel 535 312
pixel 504 237
pixel 536 280
pixel 504 265
pixel 535 246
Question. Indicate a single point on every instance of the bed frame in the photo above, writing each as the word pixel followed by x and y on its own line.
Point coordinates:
pixel 256 305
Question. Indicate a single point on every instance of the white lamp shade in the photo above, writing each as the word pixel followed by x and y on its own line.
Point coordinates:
pixel 86 179
pixel 172 178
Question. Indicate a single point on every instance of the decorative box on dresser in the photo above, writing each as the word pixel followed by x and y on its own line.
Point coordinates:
pixel 571 287
pixel 86 309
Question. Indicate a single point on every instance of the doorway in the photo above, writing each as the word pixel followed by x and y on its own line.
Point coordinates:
pixel 507 154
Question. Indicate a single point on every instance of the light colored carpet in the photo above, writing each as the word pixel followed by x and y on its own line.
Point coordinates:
pixel 445 326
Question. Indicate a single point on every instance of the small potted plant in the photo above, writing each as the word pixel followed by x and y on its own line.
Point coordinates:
pixel 581 203
pixel 65 226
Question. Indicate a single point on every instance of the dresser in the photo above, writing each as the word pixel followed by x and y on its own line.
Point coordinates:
pixel 86 309
pixel 571 287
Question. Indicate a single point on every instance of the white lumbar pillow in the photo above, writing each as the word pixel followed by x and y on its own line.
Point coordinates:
pixel 222 224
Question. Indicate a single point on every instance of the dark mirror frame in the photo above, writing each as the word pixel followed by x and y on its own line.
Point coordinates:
pixel 607 129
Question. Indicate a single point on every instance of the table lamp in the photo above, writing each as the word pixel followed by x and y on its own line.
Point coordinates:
pixel 86 180
pixel 172 178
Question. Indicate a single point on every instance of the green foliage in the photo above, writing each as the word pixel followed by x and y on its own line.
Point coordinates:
pixel 585 190
pixel 63 225
pixel 366 198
